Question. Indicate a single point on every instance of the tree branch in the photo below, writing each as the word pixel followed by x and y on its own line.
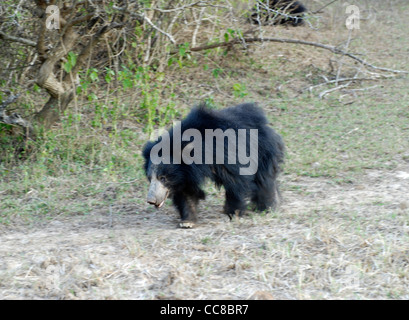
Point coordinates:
pixel 85 53
pixel 333 49
pixel 158 29
pixel 15 118
pixel 197 3
pixel 10 100
pixel 17 39
pixel 323 7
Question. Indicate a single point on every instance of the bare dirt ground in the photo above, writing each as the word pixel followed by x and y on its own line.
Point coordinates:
pixel 327 241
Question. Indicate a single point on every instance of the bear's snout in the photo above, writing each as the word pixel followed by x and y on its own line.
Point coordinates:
pixel 157 193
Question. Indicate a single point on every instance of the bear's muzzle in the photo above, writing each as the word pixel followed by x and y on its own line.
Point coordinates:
pixel 157 193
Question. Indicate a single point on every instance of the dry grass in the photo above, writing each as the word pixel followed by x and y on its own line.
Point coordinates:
pixel 327 241
pixel 340 233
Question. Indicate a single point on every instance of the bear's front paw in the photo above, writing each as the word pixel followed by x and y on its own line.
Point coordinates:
pixel 186 225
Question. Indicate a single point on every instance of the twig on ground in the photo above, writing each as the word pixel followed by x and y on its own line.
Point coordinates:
pixel 340 61
pixel 333 49
pixel 323 93
pixel 342 80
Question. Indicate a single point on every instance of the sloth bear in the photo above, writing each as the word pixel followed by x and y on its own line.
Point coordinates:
pixel 279 12
pixel 234 147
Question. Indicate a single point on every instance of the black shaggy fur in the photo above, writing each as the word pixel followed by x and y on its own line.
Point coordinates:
pixel 294 9
pixel 185 181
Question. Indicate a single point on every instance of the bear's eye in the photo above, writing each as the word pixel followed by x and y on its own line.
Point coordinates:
pixel 162 179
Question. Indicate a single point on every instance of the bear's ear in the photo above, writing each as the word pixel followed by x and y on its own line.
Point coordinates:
pixel 147 149
pixel 146 153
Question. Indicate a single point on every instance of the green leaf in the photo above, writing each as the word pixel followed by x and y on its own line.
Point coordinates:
pixel 72 58
pixel 226 37
pixel 67 67
pixel 127 83
pixel 93 74
pixel 71 61
pixel 216 72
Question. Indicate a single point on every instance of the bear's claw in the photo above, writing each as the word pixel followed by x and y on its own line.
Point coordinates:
pixel 186 225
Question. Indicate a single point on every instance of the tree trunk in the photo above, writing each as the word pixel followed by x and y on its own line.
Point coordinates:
pixel 53 109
